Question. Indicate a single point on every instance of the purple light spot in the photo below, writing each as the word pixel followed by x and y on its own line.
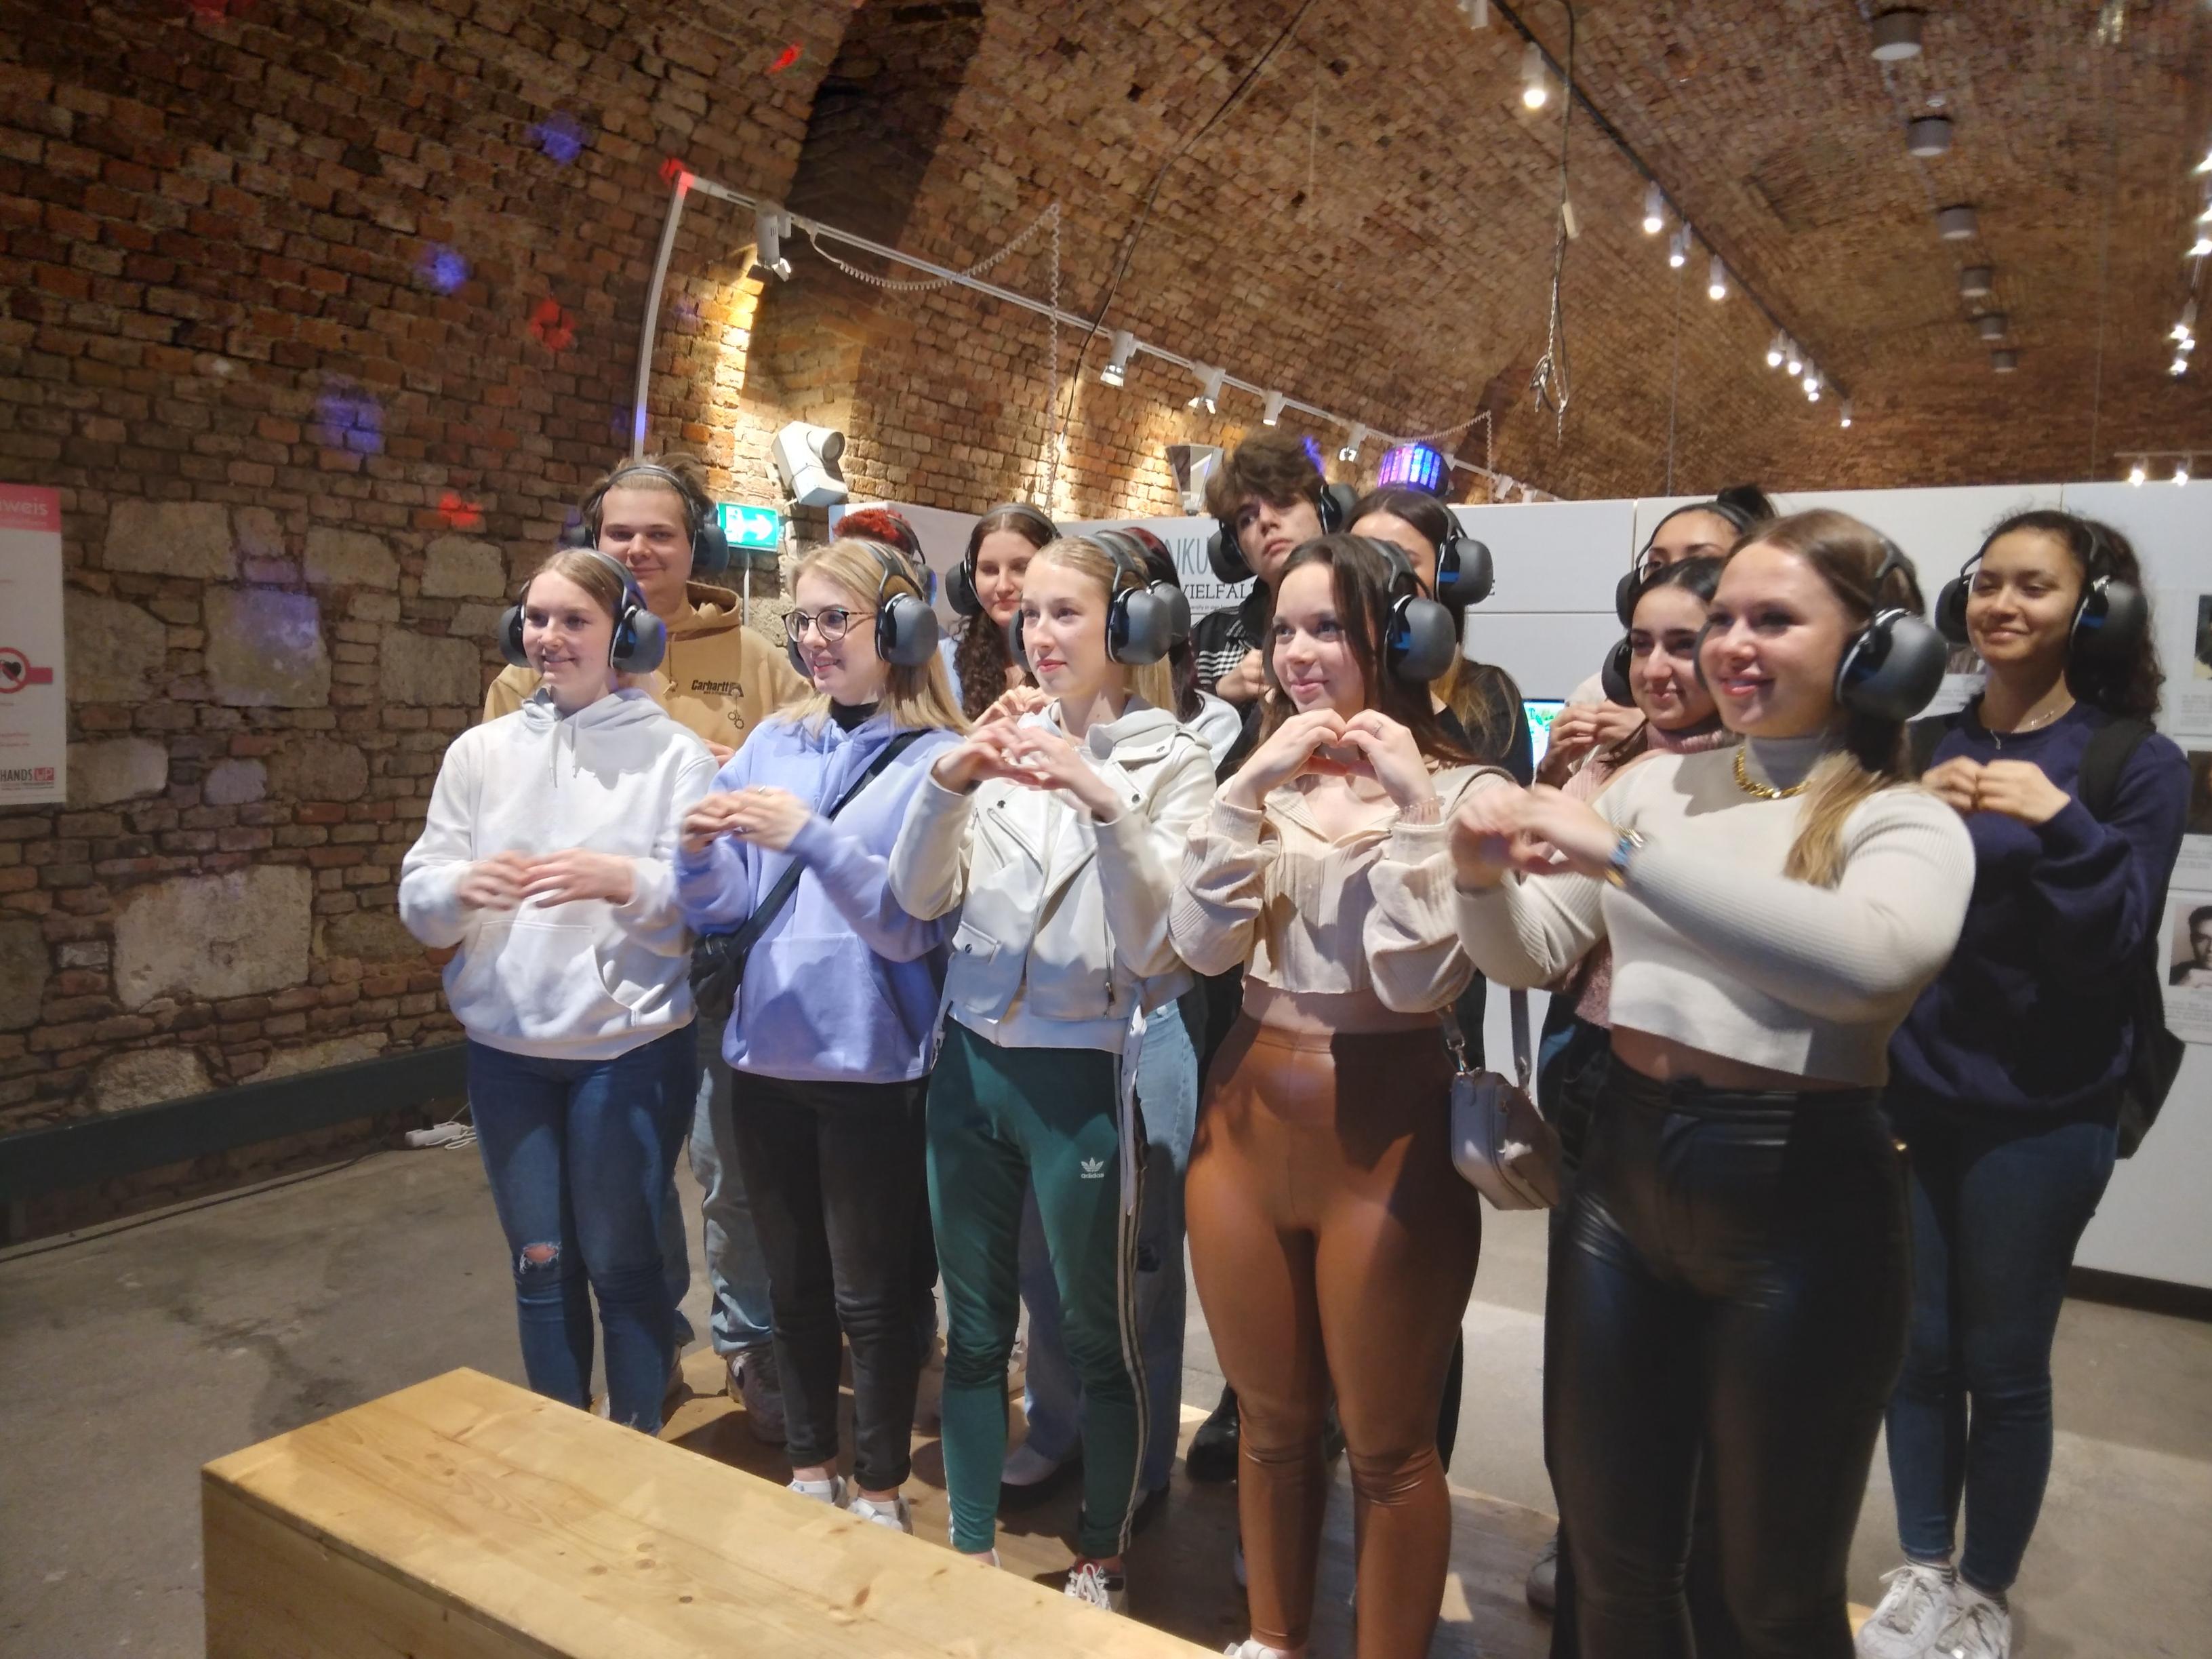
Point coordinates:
pixel 1313 451
pixel 442 267
pixel 350 418
pixel 559 136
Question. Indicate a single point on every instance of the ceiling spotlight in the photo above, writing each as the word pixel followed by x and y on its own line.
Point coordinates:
pixel 1956 224
pixel 771 226
pixel 2004 362
pixel 1274 411
pixel 2181 472
pixel 1352 443
pixel 1794 362
pixel 1533 89
pixel 1116 372
pixel 2199 248
pixel 1846 420
pixel 1991 325
pixel 1209 388
pixel 1477 13
pixel 1811 381
pixel 1777 350
pixel 2205 218
pixel 1655 210
pixel 2179 366
pixel 1678 247
pixel 2186 328
pixel 1716 280
pixel 1928 136
pixel 1896 36
pixel 2204 166
pixel 1976 282
pixel 2138 472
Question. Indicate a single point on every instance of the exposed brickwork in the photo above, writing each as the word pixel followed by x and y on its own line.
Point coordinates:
pixel 355 279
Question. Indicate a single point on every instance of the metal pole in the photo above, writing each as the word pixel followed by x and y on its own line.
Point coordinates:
pixel 683 182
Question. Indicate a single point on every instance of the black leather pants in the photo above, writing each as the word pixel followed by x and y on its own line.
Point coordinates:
pixel 1734 1285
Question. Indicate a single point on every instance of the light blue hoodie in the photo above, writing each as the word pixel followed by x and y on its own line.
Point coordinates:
pixel 844 985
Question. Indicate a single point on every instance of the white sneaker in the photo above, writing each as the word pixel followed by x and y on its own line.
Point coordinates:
pixel 894 1515
pixel 754 1384
pixel 1980 1627
pixel 1251 1648
pixel 1904 1623
pixel 1027 1466
pixel 830 1492
pixel 1092 1583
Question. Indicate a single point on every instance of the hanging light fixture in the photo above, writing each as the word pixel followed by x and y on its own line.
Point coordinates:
pixel 2200 247
pixel 1116 372
pixel 1896 36
pixel 1777 350
pixel 2004 362
pixel 2186 328
pixel 1811 385
pixel 771 226
pixel 1352 443
pixel 2180 366
pixel 1956 224
pixel 1716 280
pixel 1991 325
pixel 1534 92
pixel 1273 411
pixel 1209 387
pixel 1846 420
pixel 2138 472
pixel 2181 471
pixel 1976 281
pixel 2204 166
pixel 1678 247
pixel 1928 136
pixel 1655 209
pixel 1795 364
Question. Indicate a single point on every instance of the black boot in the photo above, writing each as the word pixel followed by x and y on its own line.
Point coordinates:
pixel 1212 1454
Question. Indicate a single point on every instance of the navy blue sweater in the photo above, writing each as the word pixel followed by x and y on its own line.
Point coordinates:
pixel 2029 1014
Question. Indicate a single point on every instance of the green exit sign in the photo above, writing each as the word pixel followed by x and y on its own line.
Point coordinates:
pixel 752 529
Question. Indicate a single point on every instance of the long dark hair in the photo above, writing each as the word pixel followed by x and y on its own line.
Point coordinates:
pixel 1746 505
pixel 982 656
pixel 1700 576
pixel 2127 688
pixel 1364 584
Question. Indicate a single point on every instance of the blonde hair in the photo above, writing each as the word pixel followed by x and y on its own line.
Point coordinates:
pixel 1153 681
pixel 1854 560
pixel 599 576
pixel 920 697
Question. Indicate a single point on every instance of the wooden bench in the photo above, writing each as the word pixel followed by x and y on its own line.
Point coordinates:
pixel 466 1518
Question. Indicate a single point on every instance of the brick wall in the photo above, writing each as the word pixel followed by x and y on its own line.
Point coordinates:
pixel 320 314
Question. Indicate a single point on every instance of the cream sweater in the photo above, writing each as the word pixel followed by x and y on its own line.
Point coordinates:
pixel 1714 948
pixel 1365 916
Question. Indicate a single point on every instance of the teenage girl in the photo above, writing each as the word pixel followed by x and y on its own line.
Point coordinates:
pixel 1732 1303
pixel 1332 1241
pixel 830 1041
pixel 986 589
pixel 545 859
pixel 2005 1081
pixel 1055 834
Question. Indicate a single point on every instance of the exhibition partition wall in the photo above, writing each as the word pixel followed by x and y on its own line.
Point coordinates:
pixel 1550 621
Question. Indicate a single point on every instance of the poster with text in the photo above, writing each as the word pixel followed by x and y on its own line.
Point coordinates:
pixel 34 704
pixel 2189 966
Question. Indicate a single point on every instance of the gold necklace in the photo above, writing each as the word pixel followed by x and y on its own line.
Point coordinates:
pixel 1764 791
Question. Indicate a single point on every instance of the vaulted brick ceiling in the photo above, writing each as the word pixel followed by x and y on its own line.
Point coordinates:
pixel 1369 228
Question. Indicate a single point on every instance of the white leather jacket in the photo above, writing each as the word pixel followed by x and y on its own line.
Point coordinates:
pixel 1063 936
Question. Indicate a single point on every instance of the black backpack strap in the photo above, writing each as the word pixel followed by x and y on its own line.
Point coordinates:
pixel 764 914
pixel 2111 748
pixel 1924 736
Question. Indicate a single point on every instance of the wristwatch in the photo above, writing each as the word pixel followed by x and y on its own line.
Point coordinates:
pixel 1616 867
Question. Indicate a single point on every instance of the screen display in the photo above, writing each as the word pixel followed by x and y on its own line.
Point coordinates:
pixel 1541 715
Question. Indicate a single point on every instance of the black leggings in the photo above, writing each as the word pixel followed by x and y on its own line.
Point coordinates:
pixel 1735 1282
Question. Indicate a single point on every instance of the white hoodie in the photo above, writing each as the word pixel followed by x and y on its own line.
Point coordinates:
pixel 586 980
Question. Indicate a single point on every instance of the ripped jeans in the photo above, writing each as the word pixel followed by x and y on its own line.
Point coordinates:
pixel 579 1153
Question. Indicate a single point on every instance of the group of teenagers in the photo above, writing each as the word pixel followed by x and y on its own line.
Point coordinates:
pixel 1087 930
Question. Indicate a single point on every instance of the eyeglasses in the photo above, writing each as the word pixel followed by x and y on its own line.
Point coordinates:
pixel 830 624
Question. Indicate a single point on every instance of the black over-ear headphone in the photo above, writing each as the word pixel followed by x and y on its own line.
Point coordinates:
pixel 1151 554
pixel 1421 638
pixel 1334 507
pixel 960 581
pixel 1140 620
pixel 1627 590
pixel 710 548
pixel 906 627
pixel 641 639
pixel 1465 573
pixel 1894 667
pixel 2108 623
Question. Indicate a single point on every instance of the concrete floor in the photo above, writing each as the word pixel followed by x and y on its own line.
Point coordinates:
pixel 129 1358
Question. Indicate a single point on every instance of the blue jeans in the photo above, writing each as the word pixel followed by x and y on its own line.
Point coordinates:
pixel 1999 1202
pixel 579 1153
pixel 740 1320
pixel 1052 1400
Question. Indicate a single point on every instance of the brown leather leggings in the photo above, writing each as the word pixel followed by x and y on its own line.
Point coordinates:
pixel 1333 1242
